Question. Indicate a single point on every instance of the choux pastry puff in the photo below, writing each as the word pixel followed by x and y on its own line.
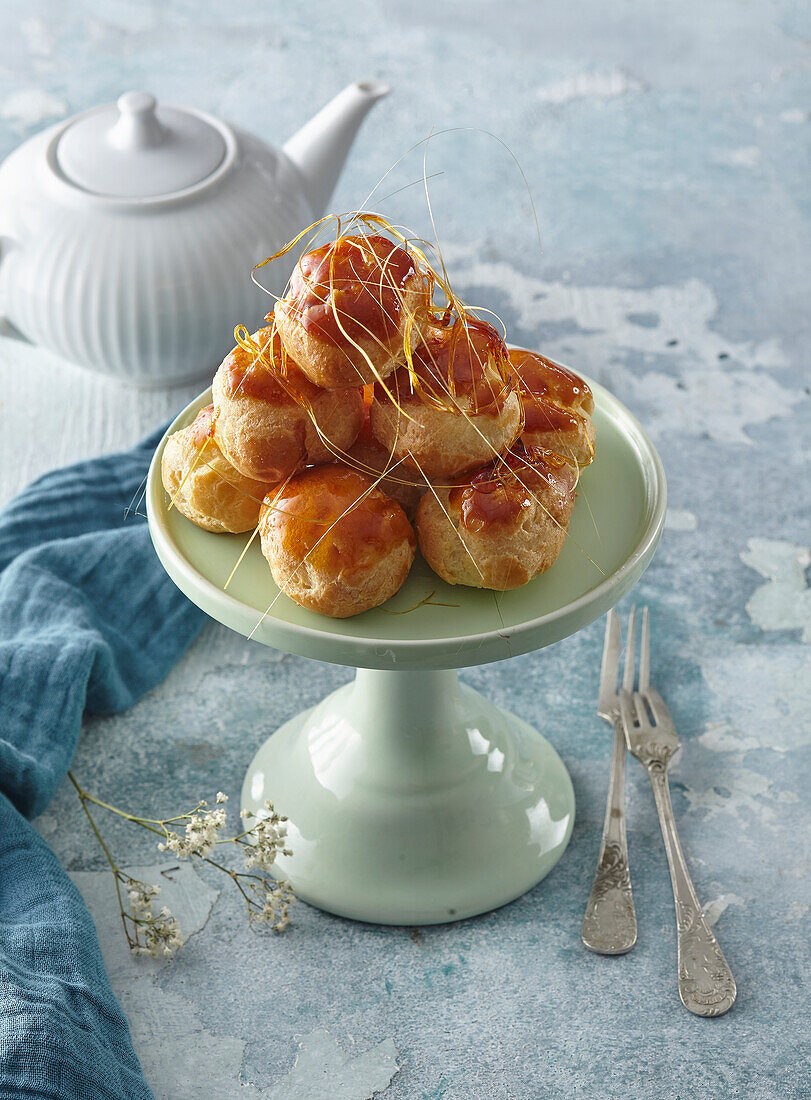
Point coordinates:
pixel 351 308
pixel 269 414
pixel 334 543
pixel 557 406
pixel 203 485
pixel 459 411
pixel 502 525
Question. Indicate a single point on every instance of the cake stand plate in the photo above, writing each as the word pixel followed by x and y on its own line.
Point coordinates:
pixel 411 798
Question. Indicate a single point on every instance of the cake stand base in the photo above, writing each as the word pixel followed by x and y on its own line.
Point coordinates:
pixel 413 800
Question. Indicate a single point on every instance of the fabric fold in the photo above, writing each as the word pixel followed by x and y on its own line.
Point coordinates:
pixel 89 622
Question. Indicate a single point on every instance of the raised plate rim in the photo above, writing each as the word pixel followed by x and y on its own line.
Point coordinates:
pixel 416 652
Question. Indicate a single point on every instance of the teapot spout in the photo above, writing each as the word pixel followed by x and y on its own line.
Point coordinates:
pixel 320 147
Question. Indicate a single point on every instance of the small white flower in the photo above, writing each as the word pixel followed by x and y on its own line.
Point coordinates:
pixel 140 896
pixel 275 908
pixel 268 839
pixel 161 934
pixel 221 798
pixel 202 832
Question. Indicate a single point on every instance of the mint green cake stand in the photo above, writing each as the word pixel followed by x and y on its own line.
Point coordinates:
pixel 411 798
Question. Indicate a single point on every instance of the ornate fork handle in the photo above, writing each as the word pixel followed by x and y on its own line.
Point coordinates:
pixel 609 924
pixel 706 985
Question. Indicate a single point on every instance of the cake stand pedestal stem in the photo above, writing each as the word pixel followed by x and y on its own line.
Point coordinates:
pixel 413 800
pixel 413 725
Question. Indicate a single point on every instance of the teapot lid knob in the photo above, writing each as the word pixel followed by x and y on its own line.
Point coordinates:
pixel 137 148
pixel 138 126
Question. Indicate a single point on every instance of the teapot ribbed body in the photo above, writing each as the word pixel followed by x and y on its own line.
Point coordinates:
pixel 147 292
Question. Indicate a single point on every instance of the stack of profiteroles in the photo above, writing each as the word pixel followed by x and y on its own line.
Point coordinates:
pixel 373 399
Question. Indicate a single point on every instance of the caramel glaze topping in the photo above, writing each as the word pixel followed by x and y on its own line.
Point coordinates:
pixel 497 495
pixel 365 435
pixel 273 377
pixel 202 427
pixel 361 279
pixel 308 514
pixel 466 359
pixel 549 392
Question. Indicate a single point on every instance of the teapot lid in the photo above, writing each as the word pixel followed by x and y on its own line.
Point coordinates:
pixel 136 149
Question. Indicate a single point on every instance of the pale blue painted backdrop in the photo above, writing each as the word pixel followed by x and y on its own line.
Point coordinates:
pixel 667 150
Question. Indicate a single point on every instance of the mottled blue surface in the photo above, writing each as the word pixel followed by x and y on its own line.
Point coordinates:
pixel 667 150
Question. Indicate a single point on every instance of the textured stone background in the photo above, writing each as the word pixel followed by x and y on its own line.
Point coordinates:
pixel 667 150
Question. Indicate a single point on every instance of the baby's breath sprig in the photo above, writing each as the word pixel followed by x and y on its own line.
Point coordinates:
pixel 193 835
pixel 160 931
pixel 268 900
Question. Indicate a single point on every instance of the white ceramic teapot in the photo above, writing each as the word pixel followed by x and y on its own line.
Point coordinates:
pixel 128 233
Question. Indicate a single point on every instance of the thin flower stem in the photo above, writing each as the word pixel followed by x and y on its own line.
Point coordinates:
pixel 134 817
pixel 107 853
pixel 241 889
pixel 83 797
pixel 236 839
pixel 235 875
pixel 148 822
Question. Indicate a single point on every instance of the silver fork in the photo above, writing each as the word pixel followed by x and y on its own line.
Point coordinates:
pixel 609 923
pixel 706 985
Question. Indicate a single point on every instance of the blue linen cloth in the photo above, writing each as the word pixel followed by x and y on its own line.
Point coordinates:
pixel 89 622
